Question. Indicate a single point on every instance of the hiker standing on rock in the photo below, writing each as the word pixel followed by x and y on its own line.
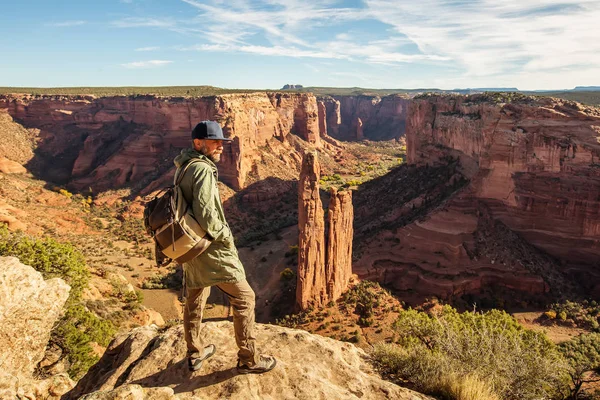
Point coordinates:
pixel 219 265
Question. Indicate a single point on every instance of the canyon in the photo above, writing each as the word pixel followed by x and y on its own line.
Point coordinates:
pixel 494 192
pixel 494 202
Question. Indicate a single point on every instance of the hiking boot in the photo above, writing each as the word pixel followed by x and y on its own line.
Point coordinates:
pixel 264 364
pixel 195 363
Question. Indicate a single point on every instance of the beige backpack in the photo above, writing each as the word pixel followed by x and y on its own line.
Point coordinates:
pixel 168 218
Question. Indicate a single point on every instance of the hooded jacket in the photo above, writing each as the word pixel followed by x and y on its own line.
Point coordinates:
pixel 220 262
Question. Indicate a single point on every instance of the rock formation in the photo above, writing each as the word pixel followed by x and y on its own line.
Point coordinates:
pixel 383 118
pixel 338 266
pixel 322 118
pixel 311 286
pixel 11 167
pixel 527 221
pixel 358 125
pixel 332 114
pixel 109 142
pixel 322 276
pixel 29 307
pixel 147 363
pixel 537 164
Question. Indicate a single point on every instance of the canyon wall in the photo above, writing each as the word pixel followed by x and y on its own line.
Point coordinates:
pixel 324 263
pixel 529 218
pixel 366 117
pixel 539 164
pixel 111 142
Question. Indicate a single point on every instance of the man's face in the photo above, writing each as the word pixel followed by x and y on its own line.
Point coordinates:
pixel 210 148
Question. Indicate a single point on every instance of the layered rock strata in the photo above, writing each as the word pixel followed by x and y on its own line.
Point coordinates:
pixel 148 363
pixel 537 165
pixel 324 264
pixel 115 141
pixel 528 220
pixel 368 117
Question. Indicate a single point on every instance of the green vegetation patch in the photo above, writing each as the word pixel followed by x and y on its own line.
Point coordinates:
pixel 437 351
pixel 78 327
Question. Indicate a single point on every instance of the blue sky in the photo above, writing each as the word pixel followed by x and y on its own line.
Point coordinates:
pixel 529 44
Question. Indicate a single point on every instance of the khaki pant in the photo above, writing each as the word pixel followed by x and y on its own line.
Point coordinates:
pixel 241 297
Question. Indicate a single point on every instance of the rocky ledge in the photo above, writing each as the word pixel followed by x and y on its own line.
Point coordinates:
pixel 147 363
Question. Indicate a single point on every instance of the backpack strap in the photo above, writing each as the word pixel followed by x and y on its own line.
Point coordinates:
pixel 180 173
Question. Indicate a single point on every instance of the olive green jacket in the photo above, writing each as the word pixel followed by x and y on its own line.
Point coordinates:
pixel 220 262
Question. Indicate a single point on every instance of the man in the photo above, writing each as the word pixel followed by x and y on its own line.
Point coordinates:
pixel 219 265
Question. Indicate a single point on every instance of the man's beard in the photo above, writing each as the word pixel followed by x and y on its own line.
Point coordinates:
pixel 215 156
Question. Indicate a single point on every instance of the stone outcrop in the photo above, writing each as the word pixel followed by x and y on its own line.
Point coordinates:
pixel 382 118
pixel 311 288
pixel 29 307
pixel 16 142
pixel 11 167
pixel 338 266
pixel 110 142
pixel 146 362
pixel 324 265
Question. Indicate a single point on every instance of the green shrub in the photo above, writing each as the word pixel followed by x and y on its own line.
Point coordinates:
pixel 74 333
pixel 514 363
pixel 78 327
pixel 583 314
pixel 583 356
pixel 51 258
pixel 286 275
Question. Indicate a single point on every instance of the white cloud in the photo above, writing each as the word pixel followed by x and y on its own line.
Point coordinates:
pixel 146 64
pixel 67 24
pixel 488 38
pixel 476 42
pixel 150 48
pixel 135 22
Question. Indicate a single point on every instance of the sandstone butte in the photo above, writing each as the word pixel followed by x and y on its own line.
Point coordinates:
pixel 148 364
pixel 324 264
pixel 530 216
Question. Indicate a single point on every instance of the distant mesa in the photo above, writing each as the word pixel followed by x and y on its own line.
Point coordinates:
pixel 586 88
pixel 291 87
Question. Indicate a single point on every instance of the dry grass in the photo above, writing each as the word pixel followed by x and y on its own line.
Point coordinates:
pixel 470 387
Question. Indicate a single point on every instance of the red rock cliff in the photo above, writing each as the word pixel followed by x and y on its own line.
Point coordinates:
pixel 534 163
pixel 112 141
pixel 382 118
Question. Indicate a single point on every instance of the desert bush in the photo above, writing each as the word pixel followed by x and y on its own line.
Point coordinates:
pixel 583 356
pixel 53 259
pixel 513 362
pixel 78 327
pixel 584 314
pixel 286 275
pixel 365 296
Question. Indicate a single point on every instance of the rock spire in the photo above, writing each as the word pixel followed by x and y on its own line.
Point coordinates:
pixel 324 266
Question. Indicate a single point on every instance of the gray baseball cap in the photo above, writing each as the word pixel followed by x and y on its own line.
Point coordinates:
pixel 209 130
